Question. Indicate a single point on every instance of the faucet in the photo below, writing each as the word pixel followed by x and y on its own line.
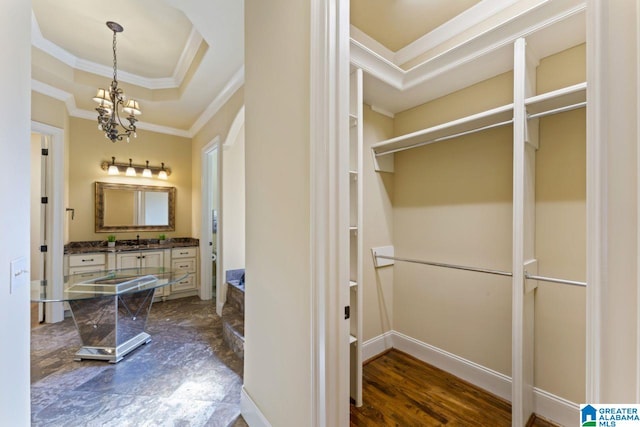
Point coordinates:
pixel 138 239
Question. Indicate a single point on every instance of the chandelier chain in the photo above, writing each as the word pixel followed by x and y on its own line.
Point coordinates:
pixel 115 61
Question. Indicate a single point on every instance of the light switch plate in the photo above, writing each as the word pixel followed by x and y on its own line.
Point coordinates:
pixel 19 274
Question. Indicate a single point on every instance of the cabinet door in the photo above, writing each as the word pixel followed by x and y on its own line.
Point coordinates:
pixel 128 260
pixel 151 259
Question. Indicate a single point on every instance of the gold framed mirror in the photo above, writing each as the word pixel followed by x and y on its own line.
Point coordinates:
pixel 128 207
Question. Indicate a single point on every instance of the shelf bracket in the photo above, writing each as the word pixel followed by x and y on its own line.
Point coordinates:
pixel 383 162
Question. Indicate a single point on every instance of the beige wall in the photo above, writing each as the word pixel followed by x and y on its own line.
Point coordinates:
pixel 560 312
pixel 89 148
pixel 218 126
pixel 48 110
pixel 278 362
pixel 233 203
pixel 452 203
pixel 377 315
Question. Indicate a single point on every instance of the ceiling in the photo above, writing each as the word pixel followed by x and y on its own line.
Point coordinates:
pixel 180 59
pixel 183 59
pixel 396 23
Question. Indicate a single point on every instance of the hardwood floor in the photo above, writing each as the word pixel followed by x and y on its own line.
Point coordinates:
pixel 399 390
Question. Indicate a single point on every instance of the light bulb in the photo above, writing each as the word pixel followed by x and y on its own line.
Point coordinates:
pixel 147 172
pixel 130 170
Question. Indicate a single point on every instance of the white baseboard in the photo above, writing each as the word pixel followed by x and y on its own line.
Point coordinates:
pixel 377 345
pixel 555 408
pixel 546 405
pixel 250 411
pixel 487 379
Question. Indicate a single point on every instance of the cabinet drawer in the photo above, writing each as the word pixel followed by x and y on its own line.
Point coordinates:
pixel 186 284
pixel 86 259
pixel 187 265
pixel 88 270
pixel 184 252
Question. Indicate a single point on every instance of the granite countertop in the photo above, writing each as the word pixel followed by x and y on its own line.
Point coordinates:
pixel 128 245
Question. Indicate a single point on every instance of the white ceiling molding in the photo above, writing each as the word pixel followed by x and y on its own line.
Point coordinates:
pixel 376 65
pixel 393 89
pixel 371 43
pixel 174 81
pixel 74 111
pixel 457 25
pixel 235 82
pixel 382 111
pixel 188 55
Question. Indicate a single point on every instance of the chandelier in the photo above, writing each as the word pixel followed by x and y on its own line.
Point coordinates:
pixel 111 101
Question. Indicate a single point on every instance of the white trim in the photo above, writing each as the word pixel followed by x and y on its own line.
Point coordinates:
pixel 206 229
pixel 235 129
pixel 74 111
pixel 457 25
pixel 174 81
pixel 555 408
pixel 235 82
pixel 370 43
pixel 250 411
pixel 329 210
pixel 377 345
pixel 545 404
pixel 54 312
pixel 488 379
pixel 188 55
pixel 597 128
pixel 382 111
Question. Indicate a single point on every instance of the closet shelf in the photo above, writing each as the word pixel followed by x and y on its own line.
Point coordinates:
pixel 556 101
pixel 563 99
pixel 485 120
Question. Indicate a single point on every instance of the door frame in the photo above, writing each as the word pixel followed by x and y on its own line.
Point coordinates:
pixel 206 228
pixel 56 227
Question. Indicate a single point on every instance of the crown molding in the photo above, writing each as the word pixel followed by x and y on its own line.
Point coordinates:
pixel 186 58
pixel 74 111
pixel 393 89
pixel 452 28
pixel 188 55
pixel 235 82
pixel 372 44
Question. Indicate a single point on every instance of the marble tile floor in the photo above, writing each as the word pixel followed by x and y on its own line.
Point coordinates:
pixel 186 376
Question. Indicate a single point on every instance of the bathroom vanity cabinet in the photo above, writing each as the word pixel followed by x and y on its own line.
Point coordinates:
pixel 183 258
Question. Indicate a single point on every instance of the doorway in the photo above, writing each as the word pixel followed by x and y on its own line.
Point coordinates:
pixel 48 214
pixel 210 231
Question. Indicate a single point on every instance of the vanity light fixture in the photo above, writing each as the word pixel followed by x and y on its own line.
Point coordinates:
pixel 114 168
pixel 111 101
pixel 146 173
pixel 163 173
pixel 130 170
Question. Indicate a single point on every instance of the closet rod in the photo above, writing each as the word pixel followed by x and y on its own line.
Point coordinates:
pixel 558 110
pixel 456 267
pixel 485 270
pixel 554 280
pixel 444 138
